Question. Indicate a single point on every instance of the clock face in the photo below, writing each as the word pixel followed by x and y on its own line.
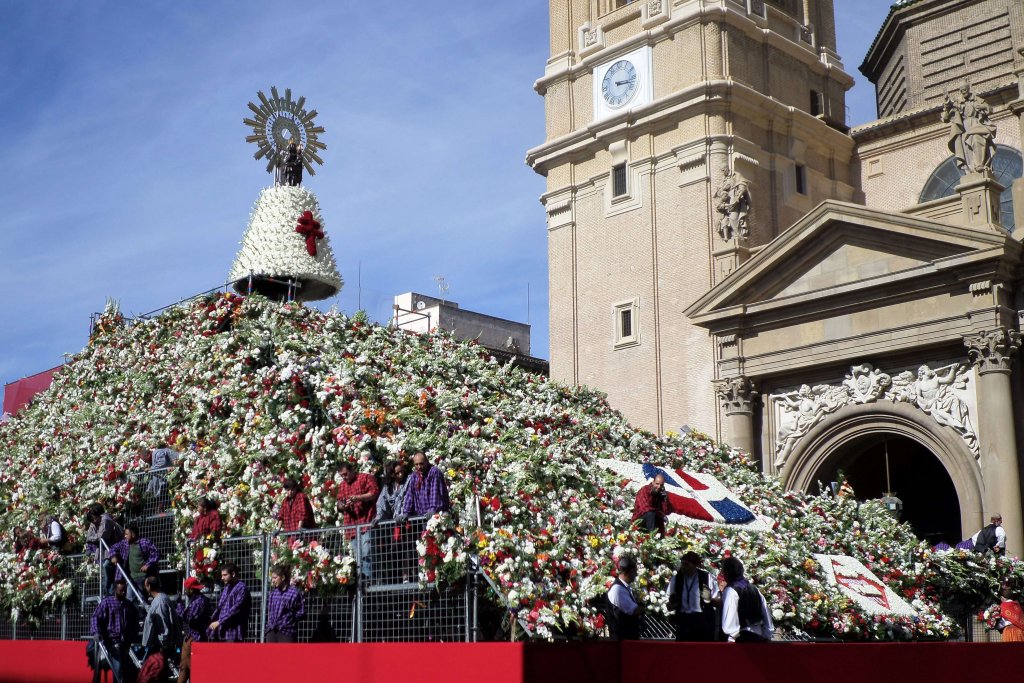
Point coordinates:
pixel 620 83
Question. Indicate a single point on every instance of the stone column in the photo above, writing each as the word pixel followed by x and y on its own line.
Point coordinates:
pixel 738 396
pixel 1017 107
pixel 990 352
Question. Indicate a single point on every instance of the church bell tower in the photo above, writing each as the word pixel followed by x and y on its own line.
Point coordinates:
pixel 682 135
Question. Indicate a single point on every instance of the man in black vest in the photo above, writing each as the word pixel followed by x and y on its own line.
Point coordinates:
pixel 625 612
pixel 692 596
pixel 991 538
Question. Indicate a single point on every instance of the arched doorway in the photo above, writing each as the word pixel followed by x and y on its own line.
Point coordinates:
pixel 852 438
pixel 930 502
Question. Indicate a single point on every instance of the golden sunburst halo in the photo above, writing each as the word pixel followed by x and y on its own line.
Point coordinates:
pixel 279 121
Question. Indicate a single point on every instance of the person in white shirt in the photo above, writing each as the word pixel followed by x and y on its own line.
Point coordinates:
pixel 692 596
pixel 991 538
pixel 625 610
pixel 745 617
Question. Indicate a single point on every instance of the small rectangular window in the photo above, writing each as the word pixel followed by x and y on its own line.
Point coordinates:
pixel 815 103
pixel 619 180
pixel 801 179
pixel 626 321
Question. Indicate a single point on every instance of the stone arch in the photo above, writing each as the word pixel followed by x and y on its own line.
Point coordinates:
pixel 854 422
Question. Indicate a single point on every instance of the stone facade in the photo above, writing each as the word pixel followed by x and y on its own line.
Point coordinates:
pixel 855 310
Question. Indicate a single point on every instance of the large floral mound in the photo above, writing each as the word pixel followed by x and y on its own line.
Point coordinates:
pixel 256 390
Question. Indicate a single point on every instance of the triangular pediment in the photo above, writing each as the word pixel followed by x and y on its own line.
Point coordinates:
pixel 838 248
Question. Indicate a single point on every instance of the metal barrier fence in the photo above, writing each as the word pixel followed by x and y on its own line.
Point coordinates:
pixel 69 621
pixel 150 495
pixel 361 584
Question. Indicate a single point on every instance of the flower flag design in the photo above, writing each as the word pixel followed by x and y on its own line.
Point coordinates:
pixel 858 583
pixel 693 497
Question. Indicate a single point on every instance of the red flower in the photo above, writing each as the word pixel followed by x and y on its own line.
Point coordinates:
pixel 310 229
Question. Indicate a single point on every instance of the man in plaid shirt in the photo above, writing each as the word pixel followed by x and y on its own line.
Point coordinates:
pixel 116 623
pixel 296 511
pixel 357 496
pixel 285 607
pixel 427 493
pixel 231 618
pixel 137 556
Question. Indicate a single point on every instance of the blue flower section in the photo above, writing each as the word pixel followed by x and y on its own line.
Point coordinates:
pixel 732 512
pixel 650 471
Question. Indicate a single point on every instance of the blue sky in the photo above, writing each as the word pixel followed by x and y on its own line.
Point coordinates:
pixel 125 173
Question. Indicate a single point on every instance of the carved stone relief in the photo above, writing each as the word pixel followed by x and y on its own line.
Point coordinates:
pixel 737 394
pixel 945 393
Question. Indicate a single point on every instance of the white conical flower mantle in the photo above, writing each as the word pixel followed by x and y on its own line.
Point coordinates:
pixel 285 240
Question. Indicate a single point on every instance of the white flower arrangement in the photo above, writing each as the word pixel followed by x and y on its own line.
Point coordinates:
pixel 271 246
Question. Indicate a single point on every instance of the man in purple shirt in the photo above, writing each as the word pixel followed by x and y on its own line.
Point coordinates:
pixel 231 618
pixel 116 624
pixel 195 617
pixel 427 493
pixel 285 607
pixel 137 556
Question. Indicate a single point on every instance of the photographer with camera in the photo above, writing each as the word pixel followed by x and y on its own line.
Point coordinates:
pixel 651 505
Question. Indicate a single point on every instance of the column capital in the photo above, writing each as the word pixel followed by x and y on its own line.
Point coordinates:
pixel 737 395
pixel 991 351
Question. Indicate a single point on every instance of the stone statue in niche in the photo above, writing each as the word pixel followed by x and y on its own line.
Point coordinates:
pixel 732 202
pixel 971 133
pixel 932 392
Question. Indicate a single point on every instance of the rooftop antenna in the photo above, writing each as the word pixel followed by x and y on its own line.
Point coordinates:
pixel 442 286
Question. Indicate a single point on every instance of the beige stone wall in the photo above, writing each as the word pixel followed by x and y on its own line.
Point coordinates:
pixel 687 363
pixel 561 300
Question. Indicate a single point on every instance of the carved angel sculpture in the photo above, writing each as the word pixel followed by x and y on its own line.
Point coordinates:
pixel 801 410
pixel 932 392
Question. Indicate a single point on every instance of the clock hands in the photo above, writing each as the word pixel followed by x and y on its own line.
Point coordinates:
pixel 623 82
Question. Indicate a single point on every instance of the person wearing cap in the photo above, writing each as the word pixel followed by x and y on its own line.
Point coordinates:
pixel 692 596
pixel 196 615
pixel 195 619
pixel 625 612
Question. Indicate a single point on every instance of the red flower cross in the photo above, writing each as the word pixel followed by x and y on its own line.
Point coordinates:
pixel 310 228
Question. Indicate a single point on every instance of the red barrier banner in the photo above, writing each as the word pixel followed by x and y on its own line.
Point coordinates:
pixel 18 394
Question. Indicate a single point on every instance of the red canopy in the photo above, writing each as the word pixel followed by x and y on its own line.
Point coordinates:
pixel 18 394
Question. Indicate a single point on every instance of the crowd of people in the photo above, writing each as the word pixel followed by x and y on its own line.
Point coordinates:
pixel 131 568
pixel 729 607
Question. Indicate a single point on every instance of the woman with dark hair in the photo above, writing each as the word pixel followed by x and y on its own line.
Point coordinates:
pixel 745 617
pixel 392 493
pixel 391 552
pixel 1013 617
pixel 296 512
pixel 208 524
